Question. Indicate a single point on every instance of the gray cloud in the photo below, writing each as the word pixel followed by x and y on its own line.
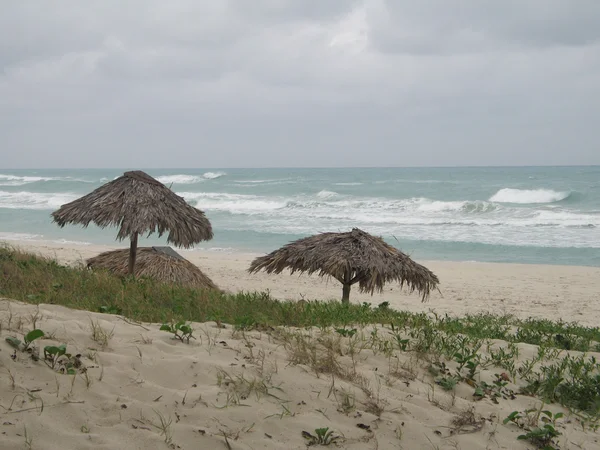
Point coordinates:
pixel 311 83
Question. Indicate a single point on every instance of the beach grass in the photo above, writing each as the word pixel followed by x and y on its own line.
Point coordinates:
pixel 490 355
pixel 38 279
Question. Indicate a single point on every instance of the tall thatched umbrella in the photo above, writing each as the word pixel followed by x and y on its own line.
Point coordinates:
pixel 138 204
pixel 351 257
pixel 159 263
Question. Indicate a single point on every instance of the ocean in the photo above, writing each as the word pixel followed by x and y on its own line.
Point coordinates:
pixel 540 215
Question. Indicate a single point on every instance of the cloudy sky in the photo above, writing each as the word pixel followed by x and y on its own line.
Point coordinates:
pixel 286 83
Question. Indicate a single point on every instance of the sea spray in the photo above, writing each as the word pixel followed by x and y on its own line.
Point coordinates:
pixel 528 196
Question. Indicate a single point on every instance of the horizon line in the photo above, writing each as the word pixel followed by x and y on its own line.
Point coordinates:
pixel 308 167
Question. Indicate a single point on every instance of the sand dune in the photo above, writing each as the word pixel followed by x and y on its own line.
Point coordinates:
pixel 236 390
pixel 248 390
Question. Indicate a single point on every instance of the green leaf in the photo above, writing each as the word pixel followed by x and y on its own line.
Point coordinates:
pixel 13 341
pixel 51 350
pixel 558 415
pixel 33 335
pixel 321 431
pixel 512 416
pixel 165 327
pixel 55 350
pixel 71 371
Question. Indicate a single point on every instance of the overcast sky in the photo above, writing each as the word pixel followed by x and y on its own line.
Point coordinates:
pixel 272 83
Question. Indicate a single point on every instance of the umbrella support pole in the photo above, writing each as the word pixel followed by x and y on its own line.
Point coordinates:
pixel 132 253
pixel 346 292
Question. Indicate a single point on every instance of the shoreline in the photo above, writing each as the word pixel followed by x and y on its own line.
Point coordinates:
pixel 553 292
pixel 73 245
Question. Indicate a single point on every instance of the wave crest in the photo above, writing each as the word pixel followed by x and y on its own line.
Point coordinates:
pixel 189 179
pixel 528 196
pixel 213 175
pixel 15 180
pixel 324 194
pixel 34 200
pixel 179 179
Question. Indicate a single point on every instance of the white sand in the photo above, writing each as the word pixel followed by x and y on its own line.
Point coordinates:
pixel 569 293
pixel 143 374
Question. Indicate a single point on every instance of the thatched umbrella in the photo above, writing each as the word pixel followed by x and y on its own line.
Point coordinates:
pixel 351 257
pixel 138 204
pixel 159 263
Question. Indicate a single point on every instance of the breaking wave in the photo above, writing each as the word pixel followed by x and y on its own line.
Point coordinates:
pixel 15 180
pixel 34 200
pixel 213 175
pixel 189 179
pixel 528 196
pixel 179 179
pixel 326 206
pixel 324 194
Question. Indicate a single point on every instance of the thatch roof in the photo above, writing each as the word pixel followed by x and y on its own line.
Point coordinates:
pixel 159 263
pixel 351 257
pixel 138 204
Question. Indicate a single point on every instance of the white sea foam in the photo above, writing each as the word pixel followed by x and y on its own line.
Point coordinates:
pixel 528 196
pixel 19 236
pixel 232 203
pixel 268 181
pixel 189 179
pixel 179 179
pixel 35 200
pixel 509 217
pixel 324 194
pixel 213 175
pixel 68 242
pixel 298 214
pixel 15 180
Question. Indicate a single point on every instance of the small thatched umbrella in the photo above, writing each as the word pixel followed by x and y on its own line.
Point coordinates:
pixel 138 204
pixel 351 257
pixel 159 263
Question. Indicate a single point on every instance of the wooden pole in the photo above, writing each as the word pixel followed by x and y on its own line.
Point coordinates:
pixel 346 285
pixel 346 293
pixel 132 253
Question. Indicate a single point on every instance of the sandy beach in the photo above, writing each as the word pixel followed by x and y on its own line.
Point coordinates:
pixel 136 387
pixel 570 293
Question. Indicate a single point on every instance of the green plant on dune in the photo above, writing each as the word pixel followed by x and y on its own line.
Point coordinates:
pixel 542 436
pixel 27 340
pixel 56 357
pixel 179 330
pixel 322 436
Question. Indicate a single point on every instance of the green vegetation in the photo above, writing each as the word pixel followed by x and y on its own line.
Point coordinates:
pixel 27 340
pixel 456 350
pixel 36 280
pixel 541 436
pixel 322 436
pixel 179 330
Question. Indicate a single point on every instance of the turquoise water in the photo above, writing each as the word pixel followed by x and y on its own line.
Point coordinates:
pixel 546 215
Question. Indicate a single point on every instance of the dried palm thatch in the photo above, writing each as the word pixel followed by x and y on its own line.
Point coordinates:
pixel 351 257
pixel 159 263
pixel 138 204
